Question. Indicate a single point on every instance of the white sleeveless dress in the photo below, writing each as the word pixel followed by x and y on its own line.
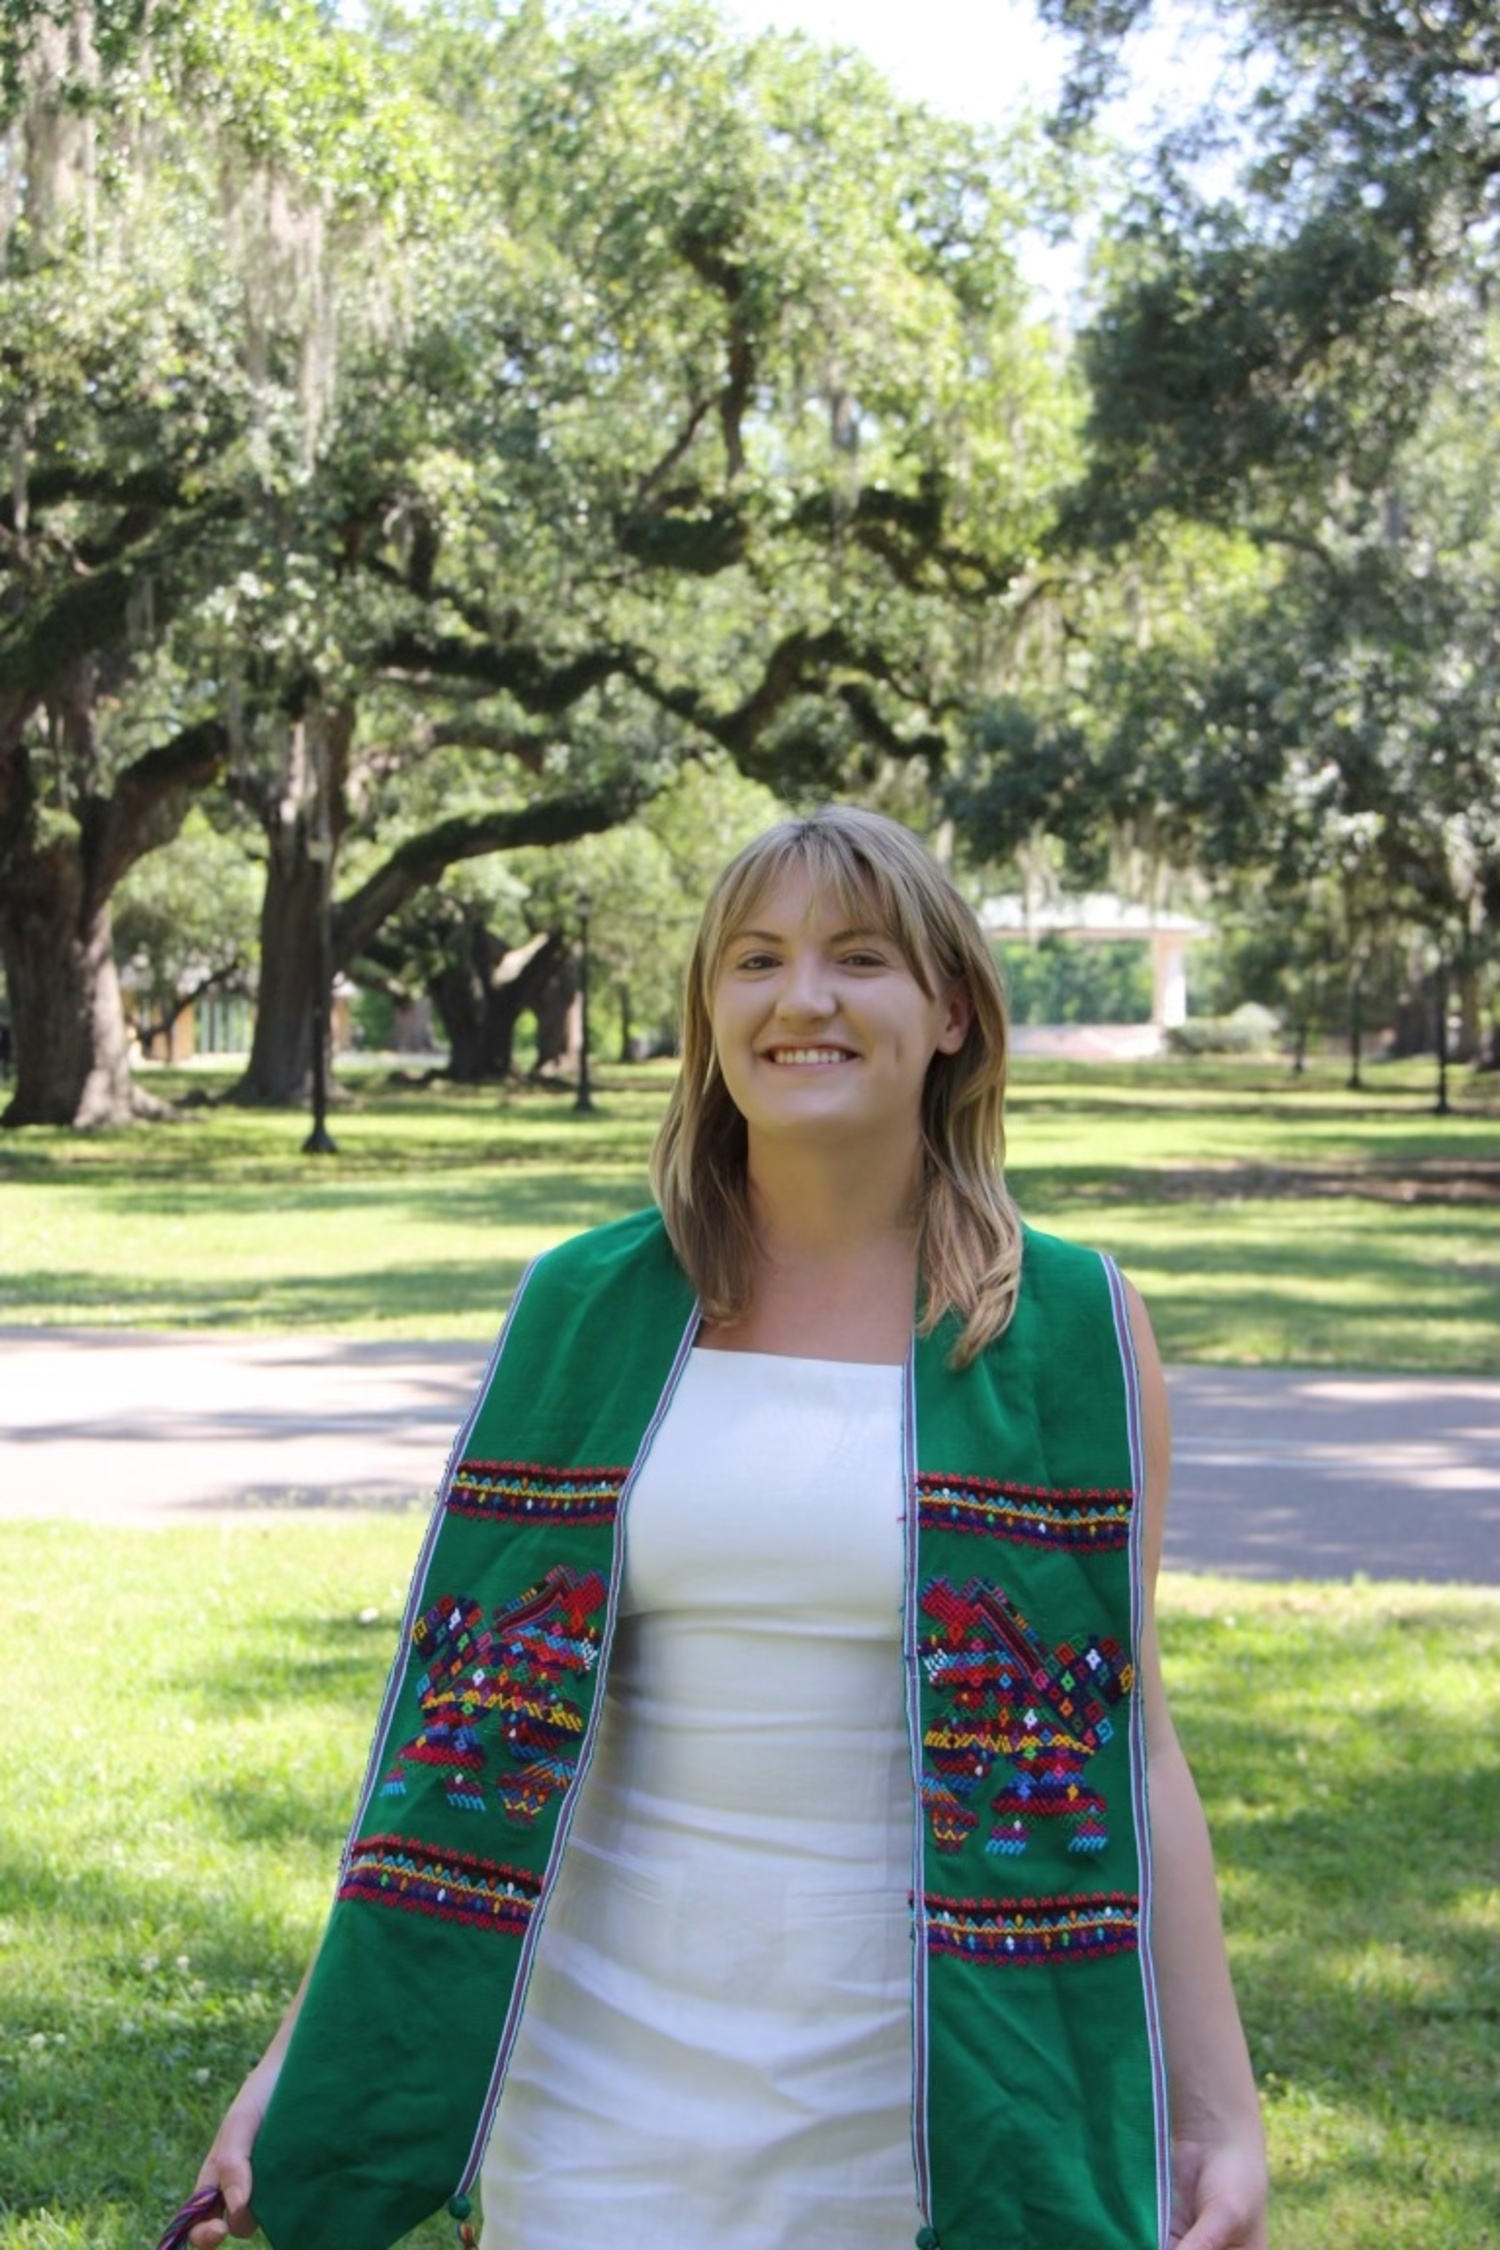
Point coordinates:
pixel 716 2050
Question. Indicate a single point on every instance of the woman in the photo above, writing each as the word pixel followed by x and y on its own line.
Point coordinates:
pixel 838 1916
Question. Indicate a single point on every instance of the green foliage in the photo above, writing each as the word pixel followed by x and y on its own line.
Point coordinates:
pixel 186 918
pixel 1254 346
pixel 1304 359
pixel 645 883
pixel 1102 743
pixel 466 416
pixel 1058 980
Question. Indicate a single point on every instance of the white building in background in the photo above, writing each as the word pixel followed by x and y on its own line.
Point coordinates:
pixel 1099 916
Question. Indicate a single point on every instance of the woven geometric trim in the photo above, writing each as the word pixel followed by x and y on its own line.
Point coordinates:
pixel 1093 1521
pixel 1022 1932
pixel 1002 1694
pixel 522 1492
pixel 454 1886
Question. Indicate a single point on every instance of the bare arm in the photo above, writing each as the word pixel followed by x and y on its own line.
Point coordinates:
pixel 1219 2184
pixel 227 2164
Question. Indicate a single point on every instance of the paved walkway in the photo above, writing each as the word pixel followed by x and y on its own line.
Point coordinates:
pixel 1278 1474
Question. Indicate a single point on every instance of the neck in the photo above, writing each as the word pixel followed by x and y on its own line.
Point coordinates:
pixel 821 1205
pixel 836 1266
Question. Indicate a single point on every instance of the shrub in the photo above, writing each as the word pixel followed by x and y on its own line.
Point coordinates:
pixel 1251 1030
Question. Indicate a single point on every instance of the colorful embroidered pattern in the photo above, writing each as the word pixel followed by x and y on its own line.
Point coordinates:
pixel 483 1685
pixel 1092 1521
pixel 1034 1929
pixel 391 1871
pixel 520 1492
pixel 1007 1696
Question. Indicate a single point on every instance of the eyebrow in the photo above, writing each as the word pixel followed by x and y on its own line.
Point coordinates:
pixel 837 937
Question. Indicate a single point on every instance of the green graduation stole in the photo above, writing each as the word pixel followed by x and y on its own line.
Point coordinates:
pixel 1039 2102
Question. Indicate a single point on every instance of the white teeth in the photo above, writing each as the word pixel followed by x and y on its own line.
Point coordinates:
pixel 808 1055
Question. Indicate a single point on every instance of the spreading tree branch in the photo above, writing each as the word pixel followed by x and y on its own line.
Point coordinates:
pixel 150 801
pixel 519 669
pixel 423 859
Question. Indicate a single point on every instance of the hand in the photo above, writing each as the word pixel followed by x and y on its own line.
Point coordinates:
pixel 227 2167
pixel 1219 2192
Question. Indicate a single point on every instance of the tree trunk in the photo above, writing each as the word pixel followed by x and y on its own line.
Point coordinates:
pixel 1412 1024
pixel 559 1018
pixel 306 814
pixel 1470 1014
pixel 58 873
pixel 68 1027
pixel 523 983
pixel 477 1046
pixel 1355 1081
pixel 483 995
pixel 279 1071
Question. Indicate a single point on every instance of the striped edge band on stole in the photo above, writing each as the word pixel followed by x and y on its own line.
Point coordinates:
pixel 406 2024
pixel 512 2022
pixel 1037 2061
pixel 443 1888
pixel 921 2159
pixel 1130 1365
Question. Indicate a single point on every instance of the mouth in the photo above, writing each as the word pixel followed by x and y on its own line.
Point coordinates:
pixel 808 1058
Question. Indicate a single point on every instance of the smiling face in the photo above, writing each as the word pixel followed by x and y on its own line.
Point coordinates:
pixel 821 1026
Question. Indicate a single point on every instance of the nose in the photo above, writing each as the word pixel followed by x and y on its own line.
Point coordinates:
pixel 805 992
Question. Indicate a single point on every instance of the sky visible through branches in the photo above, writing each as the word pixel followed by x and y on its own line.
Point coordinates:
pixel 987 61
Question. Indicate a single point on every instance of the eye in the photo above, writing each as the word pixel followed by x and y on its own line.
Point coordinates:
pixel 864 957
pixel 755 960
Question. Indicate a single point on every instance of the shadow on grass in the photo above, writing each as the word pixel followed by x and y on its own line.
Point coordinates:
pixel 377 1132
pixel 296 1660
pixel 1259 1277
pixel 121 2071
pixel 1354 1845
pixel 1397 1184
pixel 467 1287
pixel 115 2073
pixel 519 1194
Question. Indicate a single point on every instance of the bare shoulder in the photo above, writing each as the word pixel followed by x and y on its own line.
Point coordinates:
pixel 1143 1336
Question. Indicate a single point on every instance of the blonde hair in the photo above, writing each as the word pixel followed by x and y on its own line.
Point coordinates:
pixel 970 1230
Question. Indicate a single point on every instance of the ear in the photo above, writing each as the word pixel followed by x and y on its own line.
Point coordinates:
pixel 958 1015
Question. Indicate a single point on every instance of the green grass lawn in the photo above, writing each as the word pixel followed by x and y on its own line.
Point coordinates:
pixel 1269 1220
pixel 186 1722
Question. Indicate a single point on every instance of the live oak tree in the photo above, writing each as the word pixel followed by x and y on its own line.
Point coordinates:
pixel 84 534
pixel 687 483
pixel 1260 337
pixel 1307 359
pixel 149 406
pixel 556 403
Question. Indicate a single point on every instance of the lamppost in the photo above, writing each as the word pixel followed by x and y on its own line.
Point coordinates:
pixel 583 1101
pixel 320 1142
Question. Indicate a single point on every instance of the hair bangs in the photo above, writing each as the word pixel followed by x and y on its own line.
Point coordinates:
pixel 868 889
